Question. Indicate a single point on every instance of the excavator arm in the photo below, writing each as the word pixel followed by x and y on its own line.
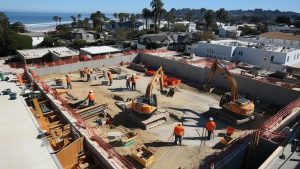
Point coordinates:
pixel 157 76
pixel 218 67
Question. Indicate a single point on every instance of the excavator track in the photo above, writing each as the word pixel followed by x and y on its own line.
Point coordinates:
pixel 147 122
pixel 230 117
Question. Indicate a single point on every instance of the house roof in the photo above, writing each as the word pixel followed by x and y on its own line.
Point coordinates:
pixel 34 34
pixel 280 35
pixel 99 50
pixel 39 53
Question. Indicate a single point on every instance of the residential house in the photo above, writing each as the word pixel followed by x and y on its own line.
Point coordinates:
pixel 280 38
pixel 282 28
pixel 37 37
pixel 81 34
pixel 227 31
pixel 268 56
pixel 98 51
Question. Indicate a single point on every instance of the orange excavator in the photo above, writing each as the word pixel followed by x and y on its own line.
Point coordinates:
pixel 236 110
pixel 144 109
pixel 147 104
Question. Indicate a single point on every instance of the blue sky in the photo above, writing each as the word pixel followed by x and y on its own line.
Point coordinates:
pixel 110 6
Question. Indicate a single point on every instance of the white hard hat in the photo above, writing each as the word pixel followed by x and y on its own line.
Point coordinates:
pixel 211 119
pixel 91 91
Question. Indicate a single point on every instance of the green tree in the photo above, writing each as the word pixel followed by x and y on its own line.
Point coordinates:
pixel 78 17
pixel 179 27
pixel 86 23
pixel 17 27
pixel 98 19
pixel 283 19
pixel 221 15
pixel 77 44
pixel 152 45
pixel 55 18
pixel 209 19
pixel 121 17
pixel 4 22
pixel 74 21
pixel 157 6
pixel 189 16
pixel 132 20
pixel 146 14
pixel 115 15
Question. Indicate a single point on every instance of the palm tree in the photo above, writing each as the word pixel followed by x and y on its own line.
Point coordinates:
pixel 161 14
pixel 157 6
pixel 189 16
pixel 55 18
pixel 221 15
pixel 74 21
pixel 121 17
pixel 209 17
pixel 59 20
pixel 126 16
pixel 85 23
pixel 98 19
pixel 146 14
pixel 115 15
pixel 78 17
pixel 132 20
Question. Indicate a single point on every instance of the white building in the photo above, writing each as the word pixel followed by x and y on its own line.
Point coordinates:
pixel 280 38
pixel 94 51
pixel 270 57
pixel 191 26
pixel 228 31
pixel 37 37
pixel 282 28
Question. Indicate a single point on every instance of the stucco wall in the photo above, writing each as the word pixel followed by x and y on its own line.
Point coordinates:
pixel 266 92
pixel 91 64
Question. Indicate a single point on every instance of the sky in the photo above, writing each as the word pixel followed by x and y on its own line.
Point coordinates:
pixel 135 6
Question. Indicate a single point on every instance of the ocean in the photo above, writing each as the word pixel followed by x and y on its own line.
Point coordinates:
pixel 42 22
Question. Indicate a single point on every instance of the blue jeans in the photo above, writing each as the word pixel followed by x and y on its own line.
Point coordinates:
pixel 179 138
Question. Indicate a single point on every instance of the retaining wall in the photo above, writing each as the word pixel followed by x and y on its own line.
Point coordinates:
pixel 266 92
pixel 115 60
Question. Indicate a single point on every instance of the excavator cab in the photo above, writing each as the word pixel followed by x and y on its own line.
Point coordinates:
pixel 226 97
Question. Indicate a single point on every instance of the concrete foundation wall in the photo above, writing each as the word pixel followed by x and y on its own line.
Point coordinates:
pixel 90 64
pixel 266 92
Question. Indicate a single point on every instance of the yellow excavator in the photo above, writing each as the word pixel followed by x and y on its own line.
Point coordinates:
pixel 235 109
pixel 147 104
pixel 144 108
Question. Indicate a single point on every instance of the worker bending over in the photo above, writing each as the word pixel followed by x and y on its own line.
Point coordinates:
pixel 69 80
pixel 110 77
pixel 133 81
pixel 210 127
pixel 91 97
pixel 179 133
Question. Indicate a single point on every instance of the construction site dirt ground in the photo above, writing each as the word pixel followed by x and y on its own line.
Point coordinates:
pixel 189 103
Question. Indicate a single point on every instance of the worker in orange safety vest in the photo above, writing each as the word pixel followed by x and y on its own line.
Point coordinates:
pixel 91 97
pixel 110 77
pixel 210 127
pixel 69 80
pixel 178 133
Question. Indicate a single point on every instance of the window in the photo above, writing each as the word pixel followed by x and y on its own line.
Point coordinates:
pixel 295 57
pixel 265 58
pixel 298 56
pixel 288 58
pixel 284 41
pixel 87 36
pixel 272 58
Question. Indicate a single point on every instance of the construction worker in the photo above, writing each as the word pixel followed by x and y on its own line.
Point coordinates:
pixel 133 81
pixel 210 127
pixel 128 82
pixel 81 72
pixel 110 77
pixel 91 97
pixel 88 75
pixel 69 80
pixel 178 133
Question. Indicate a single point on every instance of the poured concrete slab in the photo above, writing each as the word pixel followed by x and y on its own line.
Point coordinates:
pixel 19 146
